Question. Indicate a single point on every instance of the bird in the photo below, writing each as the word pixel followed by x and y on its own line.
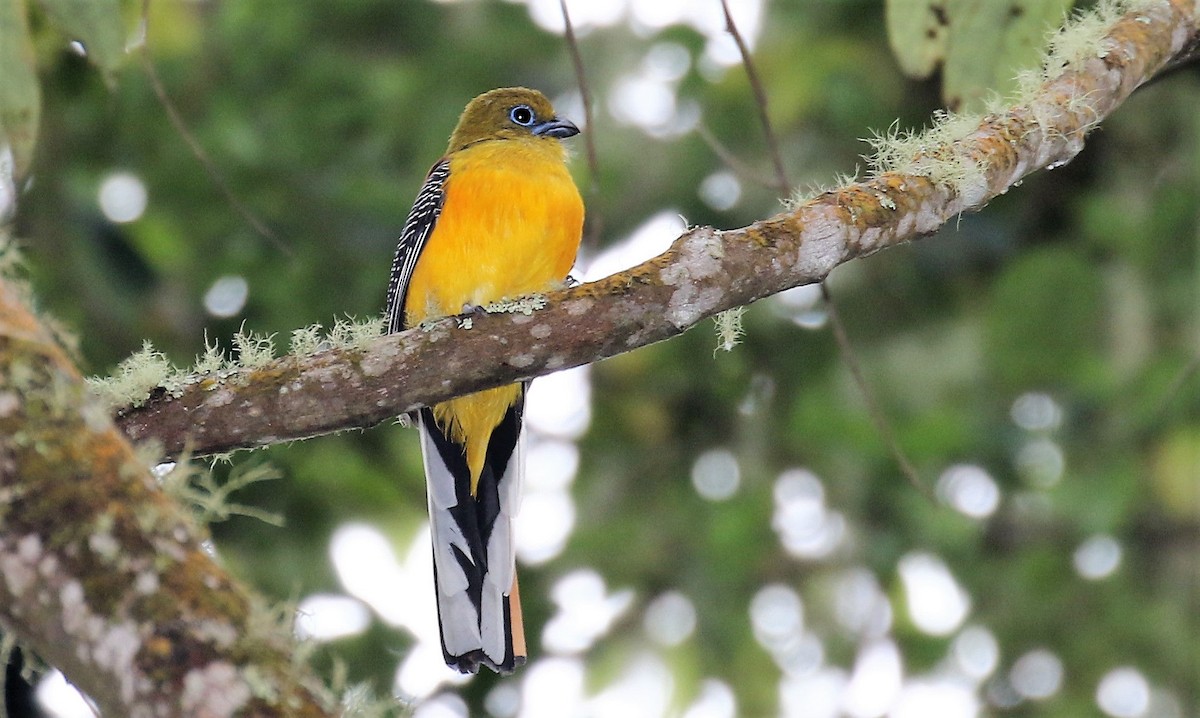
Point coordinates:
pixel 498 217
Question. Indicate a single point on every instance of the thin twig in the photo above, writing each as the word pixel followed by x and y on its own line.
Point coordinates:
pixel 589 138
pixel 760 97
pixel 735 163
pixel 577 60
pixel 197 150
pixel 878 417
pixel 1175 390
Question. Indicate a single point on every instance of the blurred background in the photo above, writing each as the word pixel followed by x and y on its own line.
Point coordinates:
pixel 705 534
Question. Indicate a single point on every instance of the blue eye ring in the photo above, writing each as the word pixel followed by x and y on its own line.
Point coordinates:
pixel 522 115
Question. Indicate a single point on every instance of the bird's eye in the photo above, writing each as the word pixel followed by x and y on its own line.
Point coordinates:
pixel 522 115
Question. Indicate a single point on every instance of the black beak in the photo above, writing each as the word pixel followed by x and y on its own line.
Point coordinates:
pixel 556 128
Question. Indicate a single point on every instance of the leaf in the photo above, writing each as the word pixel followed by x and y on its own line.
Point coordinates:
pixel 980 44
pixel 20 98
pixel 97 25
pixel 918 31
pixel 991 41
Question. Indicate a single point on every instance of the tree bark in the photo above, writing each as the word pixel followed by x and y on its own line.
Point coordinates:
pixel 104 576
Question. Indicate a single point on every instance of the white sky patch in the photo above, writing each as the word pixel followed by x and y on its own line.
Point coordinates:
pixel 777 615
pixel 550 464
pixel 969 490
pixel 326 617
pixel 940 697
pixel 814 695
pixel 860 606
pixel 401 593
pixel 585 14
pixel 503 701
pixel 715 700
pixel 670 619
pixel 1097 557
pixel 61 699
pixel 1036 675
pixel 1123 693
pixel 650 239
pixel 643 690
pixel 586 612
pixel 122 197
pixel 444 705
pixel 643 101
pixel 805 527
pixel 552 688
pixel 937 605
pixel 875 681
pixel 560 405
pixel 227 296
pixel 544 524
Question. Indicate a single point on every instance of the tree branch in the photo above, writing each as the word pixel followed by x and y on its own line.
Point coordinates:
pixel 956 167
pixel 102 575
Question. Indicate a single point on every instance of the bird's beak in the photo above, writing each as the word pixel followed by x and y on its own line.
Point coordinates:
pixel 556 128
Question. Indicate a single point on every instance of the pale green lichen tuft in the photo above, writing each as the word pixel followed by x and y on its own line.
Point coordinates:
pixel 350 334
pixel 254 350
pixel 729 329
pixel 307 340
pixel 931 152
pixel 212 360
pixel 134 379
pixel 521 305
pixel 210 500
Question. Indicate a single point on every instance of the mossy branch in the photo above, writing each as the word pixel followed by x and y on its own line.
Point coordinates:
pixel 103 575
pixel 918 183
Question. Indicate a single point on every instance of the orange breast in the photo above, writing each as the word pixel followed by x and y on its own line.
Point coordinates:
pixel 510 225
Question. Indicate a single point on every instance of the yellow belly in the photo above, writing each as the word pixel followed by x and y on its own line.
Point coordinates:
pixel 510 225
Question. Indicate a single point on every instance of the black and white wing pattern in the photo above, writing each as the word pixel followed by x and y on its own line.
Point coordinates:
pixel 417 228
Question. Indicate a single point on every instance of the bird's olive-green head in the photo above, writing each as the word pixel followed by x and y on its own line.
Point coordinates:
pixel 509 113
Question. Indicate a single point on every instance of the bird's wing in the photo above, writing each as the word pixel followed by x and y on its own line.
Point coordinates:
pixel 417 228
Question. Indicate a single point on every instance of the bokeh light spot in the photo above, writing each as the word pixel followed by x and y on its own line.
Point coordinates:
pixel 1097 557
pixel 122 197
pixel 715 475
pixel 1036 675
pixel 227 296
pixel 970 490
pixel 670 619
pixel 326 617
pixel 1123 693
pixel 936 603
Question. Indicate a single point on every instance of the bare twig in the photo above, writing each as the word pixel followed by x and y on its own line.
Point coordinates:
pixel 198 151
pixel 760 97
pixel 584 92
pixel 595 223
pixel 878 416
pixel 736 164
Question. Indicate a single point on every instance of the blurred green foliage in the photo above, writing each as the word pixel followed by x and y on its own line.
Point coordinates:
pixel 1081 285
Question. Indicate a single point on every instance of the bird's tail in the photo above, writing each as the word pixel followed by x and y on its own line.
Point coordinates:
pixel 479 607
